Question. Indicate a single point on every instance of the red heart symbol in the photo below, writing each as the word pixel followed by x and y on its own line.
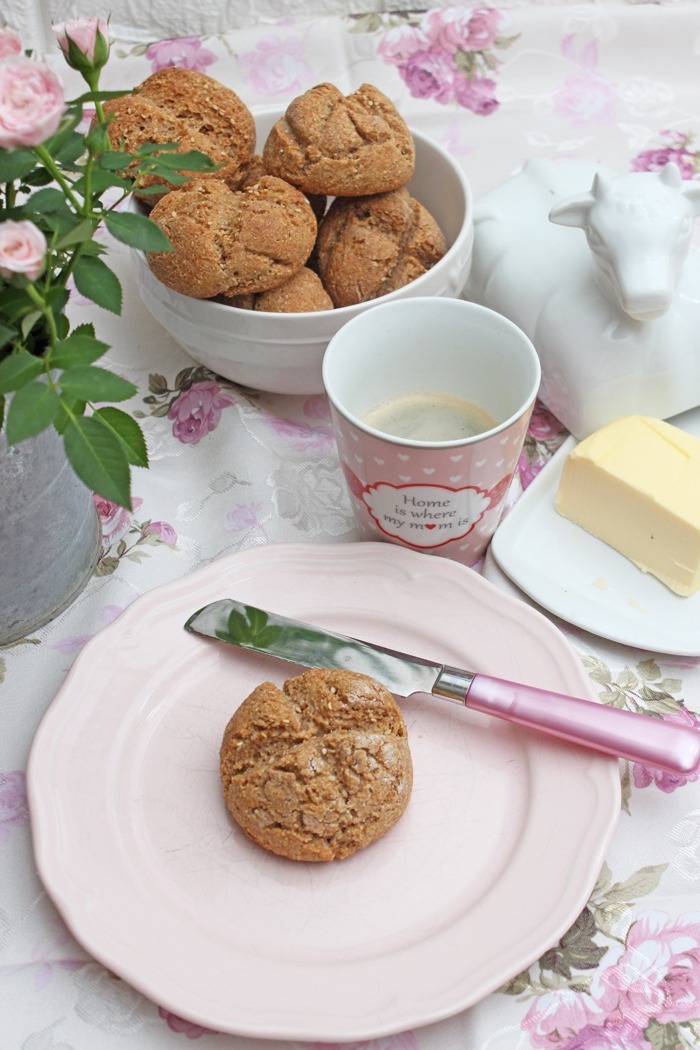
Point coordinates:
pixel 430 526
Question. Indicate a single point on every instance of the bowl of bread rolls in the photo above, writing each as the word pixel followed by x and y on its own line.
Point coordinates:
pixel 311 215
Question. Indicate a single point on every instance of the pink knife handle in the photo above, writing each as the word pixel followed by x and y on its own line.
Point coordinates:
pixel 625 734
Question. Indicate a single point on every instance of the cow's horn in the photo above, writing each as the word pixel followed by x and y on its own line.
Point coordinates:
pixel 670 175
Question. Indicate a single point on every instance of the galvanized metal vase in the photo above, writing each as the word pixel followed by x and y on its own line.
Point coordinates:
pixel 49 534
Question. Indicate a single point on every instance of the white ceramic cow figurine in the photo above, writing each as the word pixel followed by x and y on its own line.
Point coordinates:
pixel 614 312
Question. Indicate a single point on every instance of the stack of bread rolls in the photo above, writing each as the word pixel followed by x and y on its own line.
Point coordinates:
pixel 320 218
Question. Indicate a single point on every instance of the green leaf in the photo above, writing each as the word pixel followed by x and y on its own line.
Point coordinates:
pixel 269 636
pixel 68 409
pixel 90 383
pixel 18 370
pixel 237 627
pixel 256 618
pixel 69 151
pixel 16 164
pixel 29 320
pixel 47 201
pixel 644 881
pixel 32 409
pixel 115 160
pixel 101 181
pixel 98 458
pixel 81 231
pixel 129 433
pixel 95 281
pixel 79 348
pixel 137 231
pixel 102 96
pixel 7 334
pixel 192 160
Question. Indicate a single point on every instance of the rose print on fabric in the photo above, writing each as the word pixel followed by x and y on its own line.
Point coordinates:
pixel 197 411
pixel 449 55
pixel 185 52
pixel 123 536
pixel 245 516
pixel 14 810
pixel 643 689
pixel 302 437
pixel 644 992
pixel 544 436
pixel 585 97
pixel 194 403
pixel 675 146
pixel 277 66
pixel 188 1028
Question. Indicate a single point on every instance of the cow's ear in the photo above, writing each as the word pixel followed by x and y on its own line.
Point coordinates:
pixel 573 211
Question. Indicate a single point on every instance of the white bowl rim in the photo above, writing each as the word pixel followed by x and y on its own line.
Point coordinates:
pixel 341 313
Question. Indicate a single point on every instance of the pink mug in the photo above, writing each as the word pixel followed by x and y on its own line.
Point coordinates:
pixel 430 401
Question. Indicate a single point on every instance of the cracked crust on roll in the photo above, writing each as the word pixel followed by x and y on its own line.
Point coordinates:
pixel 370 246
pixel 228 242
pixel 189 108
pixel 302 293
pixel 342 146
pixel 318 769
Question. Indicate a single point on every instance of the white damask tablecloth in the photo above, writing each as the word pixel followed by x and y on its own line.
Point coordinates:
pixel 234 469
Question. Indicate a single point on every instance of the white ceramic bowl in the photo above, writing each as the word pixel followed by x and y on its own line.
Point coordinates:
pixel 283 352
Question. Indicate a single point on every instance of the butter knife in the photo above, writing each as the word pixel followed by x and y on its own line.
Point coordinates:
pixel 624 734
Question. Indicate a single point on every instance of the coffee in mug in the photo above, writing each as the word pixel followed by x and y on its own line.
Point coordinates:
pixel 429 416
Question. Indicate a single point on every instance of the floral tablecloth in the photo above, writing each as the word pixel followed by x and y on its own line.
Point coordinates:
pixel 233 469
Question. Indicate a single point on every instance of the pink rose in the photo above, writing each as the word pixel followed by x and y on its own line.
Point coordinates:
pixel 186 52
pixel 114 519
pixel 165 532
pixel 301 436
pixel 429 74
pixel 586 99
pixel 657 974
pixel 187 1028
pixel 10 43
pixel 83 32
pixel 242 516
pixel 476 94
pixel 14 810
pixel 656 159
pixel 197 411
pixel 554 1018
pixel 461 28
pixel 610 1036
pixel 277 66
pixel 396 45
pixel 31 103
pixel 22 249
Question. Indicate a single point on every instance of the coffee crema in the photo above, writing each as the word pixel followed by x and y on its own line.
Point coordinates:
pixel 429 416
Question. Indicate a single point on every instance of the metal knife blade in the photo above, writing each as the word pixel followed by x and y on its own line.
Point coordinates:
pixel 624 734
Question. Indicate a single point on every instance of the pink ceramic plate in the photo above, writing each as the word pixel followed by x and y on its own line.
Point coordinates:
pixel 492 861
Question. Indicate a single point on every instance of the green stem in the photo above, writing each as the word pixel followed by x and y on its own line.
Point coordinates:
pixel 47 312
pixel 53 169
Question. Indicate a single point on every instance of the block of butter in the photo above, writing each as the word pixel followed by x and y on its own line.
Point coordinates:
pixel 635 484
